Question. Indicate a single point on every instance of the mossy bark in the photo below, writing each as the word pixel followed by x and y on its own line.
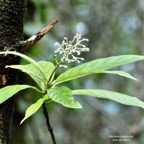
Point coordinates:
pixel 11 32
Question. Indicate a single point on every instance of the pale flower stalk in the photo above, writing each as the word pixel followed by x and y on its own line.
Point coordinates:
pixel 70 50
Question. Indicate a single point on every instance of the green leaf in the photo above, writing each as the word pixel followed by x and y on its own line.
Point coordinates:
pixel 118 97
pixel 9 91
pixel 30 60
pixel 63 95
pixel 121 73
pixel 48 68
pixel 96 66
pixel 34 73
pixel 32 109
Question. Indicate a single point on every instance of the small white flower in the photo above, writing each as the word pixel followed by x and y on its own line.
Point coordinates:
pixel 72 49
pixel 64 66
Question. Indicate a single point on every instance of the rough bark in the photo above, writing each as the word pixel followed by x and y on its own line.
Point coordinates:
pixel 11 32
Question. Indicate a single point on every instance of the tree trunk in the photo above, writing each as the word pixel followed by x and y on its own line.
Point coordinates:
pixel 11 32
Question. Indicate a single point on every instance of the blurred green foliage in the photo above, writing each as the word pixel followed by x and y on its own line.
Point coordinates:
pixel 113 27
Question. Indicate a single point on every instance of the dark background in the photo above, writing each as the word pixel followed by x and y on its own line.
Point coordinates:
pixel 113 27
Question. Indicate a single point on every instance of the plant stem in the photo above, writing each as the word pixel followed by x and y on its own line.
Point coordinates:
pixel 45 112
pixel 54 71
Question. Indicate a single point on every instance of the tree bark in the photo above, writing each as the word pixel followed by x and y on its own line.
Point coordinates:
pixel 11 33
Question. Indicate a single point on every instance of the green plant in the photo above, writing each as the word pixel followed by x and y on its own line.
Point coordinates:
pixel 43 73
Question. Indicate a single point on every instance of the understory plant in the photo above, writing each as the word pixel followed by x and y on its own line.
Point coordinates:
pixel 53 88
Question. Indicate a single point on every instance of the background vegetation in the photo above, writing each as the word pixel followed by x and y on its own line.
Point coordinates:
pixel 113 27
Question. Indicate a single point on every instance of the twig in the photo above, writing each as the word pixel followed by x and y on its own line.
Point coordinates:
pixel 45 112
pixel 33 39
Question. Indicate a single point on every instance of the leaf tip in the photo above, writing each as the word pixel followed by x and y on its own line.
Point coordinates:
pixel 79 106
pixel 135 79
pixel 22 121
pixel 7 66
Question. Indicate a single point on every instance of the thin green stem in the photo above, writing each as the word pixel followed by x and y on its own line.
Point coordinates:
pixel 58 64
pixel 54 71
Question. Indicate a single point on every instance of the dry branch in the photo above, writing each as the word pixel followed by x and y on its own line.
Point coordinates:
pixel 33 39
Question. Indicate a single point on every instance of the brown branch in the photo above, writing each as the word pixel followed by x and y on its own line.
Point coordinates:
pixel 45 112
pixel 33 39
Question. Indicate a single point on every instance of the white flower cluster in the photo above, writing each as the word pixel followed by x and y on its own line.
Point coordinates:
pixel 72 49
